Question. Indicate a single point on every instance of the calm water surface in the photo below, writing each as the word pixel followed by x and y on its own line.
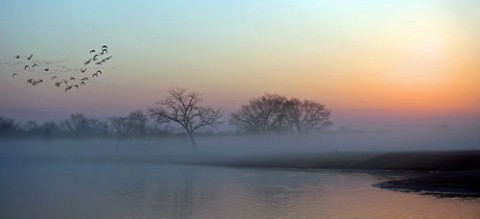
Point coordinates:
pixel 54 189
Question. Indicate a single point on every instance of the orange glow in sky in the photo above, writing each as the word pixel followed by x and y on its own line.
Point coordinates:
pixel 415 57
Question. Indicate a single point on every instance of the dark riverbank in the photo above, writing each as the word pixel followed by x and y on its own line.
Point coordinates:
pixel 446 173
pixel 456 183
pixel 435 171
pixel 402 161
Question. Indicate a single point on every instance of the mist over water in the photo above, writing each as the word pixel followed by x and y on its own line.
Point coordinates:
pixel 156 177
pixel 58 189
pixel 230 146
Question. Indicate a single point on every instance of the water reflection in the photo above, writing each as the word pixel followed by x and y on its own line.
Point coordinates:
pixel 116 190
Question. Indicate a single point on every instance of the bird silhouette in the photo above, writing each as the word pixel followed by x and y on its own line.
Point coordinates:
pixel 72 78
pixel 29 57
pixel 95 57
pixel 108 58
pixel 99 63
pixel 83 83
pixel 46 69
pixel 87 62
pixel 34 65
pixel 83 79
pixel 17 56
pixel 58 83
pixel 54 77
pixel 30 80
pixel 65 81
pixel 92 51
pixel 104 47
pixel 76 86
pixel 68 88
pixel 96 74
pixel 98 71
pixel 83 70
pixel 13 75
pixel 26 66
pixel 104 51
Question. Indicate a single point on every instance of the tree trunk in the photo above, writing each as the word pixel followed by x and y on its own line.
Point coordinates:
pixel 192 140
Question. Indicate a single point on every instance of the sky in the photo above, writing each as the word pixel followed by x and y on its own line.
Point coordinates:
pixel 375 64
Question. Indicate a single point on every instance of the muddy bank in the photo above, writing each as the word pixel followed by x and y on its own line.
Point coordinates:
pixel 457 183
pixel 446 173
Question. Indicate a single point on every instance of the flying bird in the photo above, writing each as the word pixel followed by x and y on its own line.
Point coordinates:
pixel 95 57
pixel 87 62
pixel 58 83
pixel 96 74
pixel 104 47
pixel 13 75
pixel 30 57
pixel 83 70
pixel 99 63
pixel 26 66
pixel 76 86
pixel 83 83
pixel 30 80
pixel 34 65
pixel 46 69
pixel 98 71
pixel 85 78
pixel 104 51
pixel 92 51
pixel 65 81
pixel 54 77
pixel 68 88
pixel 17 56
pixel 72 78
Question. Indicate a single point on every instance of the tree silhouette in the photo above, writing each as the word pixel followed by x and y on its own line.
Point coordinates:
pixel 183 108
pixel 263 115
pixel 307 115
pixel 273 113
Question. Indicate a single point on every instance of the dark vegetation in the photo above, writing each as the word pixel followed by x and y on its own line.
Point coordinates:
pixel 181 112
pixel 275 113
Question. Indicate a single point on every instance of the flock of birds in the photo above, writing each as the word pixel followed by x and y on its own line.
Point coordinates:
pixel 58 73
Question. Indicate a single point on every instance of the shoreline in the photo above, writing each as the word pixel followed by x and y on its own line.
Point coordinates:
pixel 446 184
pixel 442 173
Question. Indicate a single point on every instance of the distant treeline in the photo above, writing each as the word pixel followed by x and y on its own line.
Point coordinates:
pixel 134 124
pixel 270 113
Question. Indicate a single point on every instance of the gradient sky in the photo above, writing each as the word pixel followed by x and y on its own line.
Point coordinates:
pixel 368 61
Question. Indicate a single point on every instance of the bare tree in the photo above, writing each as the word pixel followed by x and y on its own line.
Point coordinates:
pixel 134 124
pixel 262 115
pixel 183 108
pixel 78 124
pixel 119 125
pixel 308 115
pixel 137 123
pixel 274 113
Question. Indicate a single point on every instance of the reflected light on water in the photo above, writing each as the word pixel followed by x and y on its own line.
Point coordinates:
pixel 115 190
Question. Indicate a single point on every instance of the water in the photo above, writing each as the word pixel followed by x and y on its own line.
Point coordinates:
pixel 85 189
